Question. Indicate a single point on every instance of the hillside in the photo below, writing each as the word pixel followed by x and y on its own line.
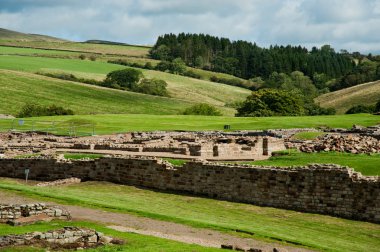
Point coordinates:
pixel 187 89
pixel 18 88
pixel 342 100
pixel 19 36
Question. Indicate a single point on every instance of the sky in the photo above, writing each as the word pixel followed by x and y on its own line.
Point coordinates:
pixel 353 25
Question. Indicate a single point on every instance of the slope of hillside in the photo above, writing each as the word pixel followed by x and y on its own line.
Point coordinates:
pixel 342 100
pixel 18 88
pixel 180 87
pixel 13 35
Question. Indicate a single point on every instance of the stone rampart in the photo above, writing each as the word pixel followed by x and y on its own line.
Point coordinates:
pixel 325 189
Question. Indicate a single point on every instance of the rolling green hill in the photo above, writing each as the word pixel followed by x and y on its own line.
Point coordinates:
pixel 9 35
pixel 187 89
pixel 18 88
pixel 342 100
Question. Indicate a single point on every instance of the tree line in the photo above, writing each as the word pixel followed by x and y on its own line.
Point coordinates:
pixel 248 60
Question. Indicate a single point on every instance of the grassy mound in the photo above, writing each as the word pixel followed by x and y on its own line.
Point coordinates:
pixel 342 100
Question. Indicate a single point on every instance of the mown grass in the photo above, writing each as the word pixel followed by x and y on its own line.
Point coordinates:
pixel 108 124
pixel 180 87
pixel 343 100
pixel 133 242
pixel 366 164
pixel 307 135
pixel 315 231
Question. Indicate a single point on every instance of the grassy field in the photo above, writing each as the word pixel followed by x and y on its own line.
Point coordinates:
pixel 342 100
pixel 107 124
pixel 10 35
pixel 133 242
pixel 7 50
pixel 132 51
pixel 19 88
pixel 180 87
pixel 315 231
pixel 366 164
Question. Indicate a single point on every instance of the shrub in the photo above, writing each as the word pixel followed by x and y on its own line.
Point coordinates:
pixel 357 109
pixel 232 82
pixel 152 87
pixel 377 106
pixel 202 109
pixel 31 110
pixel 92 57
pixel 82 56
pixel 192 74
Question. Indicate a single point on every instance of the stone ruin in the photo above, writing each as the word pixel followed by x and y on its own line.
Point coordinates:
pixel 357 140
pixel 30 213
pixel 252 145
pixel 66 238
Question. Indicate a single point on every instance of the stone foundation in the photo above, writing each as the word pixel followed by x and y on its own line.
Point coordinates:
pixel 66 238
pixel 12 213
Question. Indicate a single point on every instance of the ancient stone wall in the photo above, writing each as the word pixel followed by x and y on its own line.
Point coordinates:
pixel 9 213
pixel 325 189
pixel 68 237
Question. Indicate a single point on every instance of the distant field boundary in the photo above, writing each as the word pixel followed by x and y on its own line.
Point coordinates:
pixel 74 51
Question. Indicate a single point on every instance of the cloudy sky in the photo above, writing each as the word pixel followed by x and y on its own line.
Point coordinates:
pixel 345 24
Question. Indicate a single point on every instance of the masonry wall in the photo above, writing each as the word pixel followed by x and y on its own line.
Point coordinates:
pixel 325 189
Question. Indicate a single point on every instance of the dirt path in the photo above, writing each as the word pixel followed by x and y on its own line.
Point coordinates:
pixel 168 230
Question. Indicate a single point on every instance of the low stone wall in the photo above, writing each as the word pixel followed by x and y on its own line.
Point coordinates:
pixel 325 189
pixel 68 237
pixel 10 213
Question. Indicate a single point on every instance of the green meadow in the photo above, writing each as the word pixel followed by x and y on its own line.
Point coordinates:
pixel 314 231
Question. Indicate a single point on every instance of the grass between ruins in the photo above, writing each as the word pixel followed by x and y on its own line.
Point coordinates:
pixel 134 242
pixel 110 124
pixel 311 230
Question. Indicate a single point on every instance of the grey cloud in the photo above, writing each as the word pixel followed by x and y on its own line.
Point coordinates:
pixel 349 24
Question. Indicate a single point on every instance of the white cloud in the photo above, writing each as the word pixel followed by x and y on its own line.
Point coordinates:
pixel 348 24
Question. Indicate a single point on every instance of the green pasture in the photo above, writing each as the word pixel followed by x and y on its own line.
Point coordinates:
pixel 366 164
pixel 180 87
pixel 133 242
pixel 17 89
pixel 107 124
pixel 133 51
pixel 318 232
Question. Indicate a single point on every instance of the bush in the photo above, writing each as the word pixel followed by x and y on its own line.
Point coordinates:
pixel 192 74
pixel 377 106
pixel 361 109
pixel 271 102
pixel 71 77
pixel 202 109
pixel 82 57
pixel 126 78
pixel 152 87
pixel 92 57
pixel 32 110
pixel 232 82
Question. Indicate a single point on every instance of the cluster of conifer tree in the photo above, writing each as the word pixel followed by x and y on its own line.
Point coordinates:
pixel 248 60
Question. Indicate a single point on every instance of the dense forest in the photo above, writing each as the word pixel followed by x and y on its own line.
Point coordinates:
pixel 328 70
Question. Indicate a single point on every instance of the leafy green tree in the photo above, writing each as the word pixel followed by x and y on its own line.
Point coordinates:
pixel 271 102
pixel 152 87
pixel 202 109
pixel 178 66
pixel 127 78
